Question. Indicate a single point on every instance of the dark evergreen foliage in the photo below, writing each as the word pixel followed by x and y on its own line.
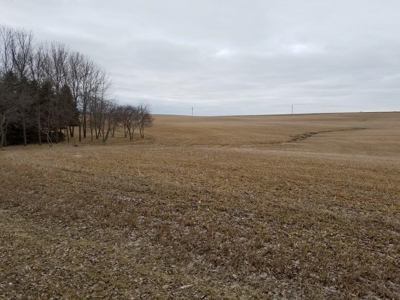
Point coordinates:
pixel 35 103
pixel 15 136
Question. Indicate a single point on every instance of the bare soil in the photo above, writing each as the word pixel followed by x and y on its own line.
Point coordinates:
pixel 247 207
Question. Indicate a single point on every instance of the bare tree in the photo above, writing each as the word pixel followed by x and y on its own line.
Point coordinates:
pixel 38 76
pixel 8 82
pixel 57 69
pixel 97 93
pixel 21 52
pixel 110 118
pixel 129 117
pixel 46 98
pixel 89 85
pixel 6 40
pixel 67 108
pixel 118 120
pixel 145 118
pixel 95 110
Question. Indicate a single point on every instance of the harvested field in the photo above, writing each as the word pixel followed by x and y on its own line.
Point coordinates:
pixel 249 207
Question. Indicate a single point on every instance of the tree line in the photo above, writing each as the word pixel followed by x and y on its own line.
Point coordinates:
pixel 46 91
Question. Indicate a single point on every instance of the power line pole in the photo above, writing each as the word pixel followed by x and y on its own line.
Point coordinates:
pixel 192 111
pixel 292 109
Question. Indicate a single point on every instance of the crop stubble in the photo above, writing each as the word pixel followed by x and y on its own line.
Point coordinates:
pixel 209 208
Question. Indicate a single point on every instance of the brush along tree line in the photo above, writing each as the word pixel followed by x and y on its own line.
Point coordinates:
pixel 46 91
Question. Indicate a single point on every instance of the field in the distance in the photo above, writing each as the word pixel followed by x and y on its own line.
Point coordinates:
pixel 249 207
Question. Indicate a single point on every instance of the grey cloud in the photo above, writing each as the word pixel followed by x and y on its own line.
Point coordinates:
pixel 232 57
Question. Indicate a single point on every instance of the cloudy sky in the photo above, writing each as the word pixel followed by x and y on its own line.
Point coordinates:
pixel 231 57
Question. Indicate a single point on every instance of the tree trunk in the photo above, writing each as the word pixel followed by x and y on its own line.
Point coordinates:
pixel 5 137
pixel 141 129
pixel 3 130
pixel 39 128
pixel 84 125
pixel 56 131
pixel 2 134
pixel 133 133
pixel 71 130
pixel 24 127
pixel 67 134
pixel 80 131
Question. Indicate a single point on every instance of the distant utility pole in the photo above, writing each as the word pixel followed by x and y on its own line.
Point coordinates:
pixel 292 109
pixel 192 111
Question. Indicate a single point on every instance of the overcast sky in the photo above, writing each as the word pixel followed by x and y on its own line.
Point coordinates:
pixel 231 57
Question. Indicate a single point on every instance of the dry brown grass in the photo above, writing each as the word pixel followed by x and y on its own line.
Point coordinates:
pixel 263 207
